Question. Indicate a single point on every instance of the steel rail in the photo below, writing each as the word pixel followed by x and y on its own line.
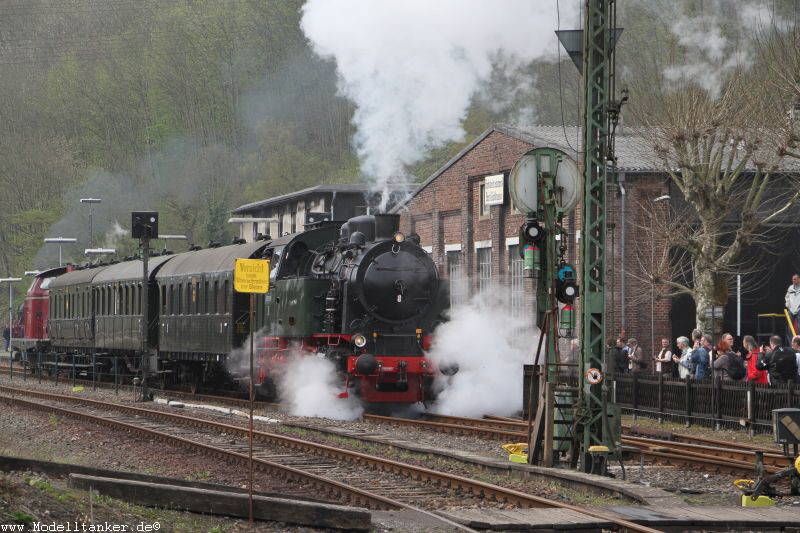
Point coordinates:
pixel 475 487
pixel 461 428
pixel 745 456
pixel 353 494
pixel 661 451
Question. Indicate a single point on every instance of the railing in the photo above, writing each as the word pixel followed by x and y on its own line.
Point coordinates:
pixel 713 402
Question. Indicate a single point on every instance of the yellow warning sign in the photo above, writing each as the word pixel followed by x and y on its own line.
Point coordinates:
pixel 251 275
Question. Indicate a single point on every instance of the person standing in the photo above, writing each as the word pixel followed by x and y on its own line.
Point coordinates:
pixel 617 358
pixel 779 362
pixel 663 359
pixel 637 361
pixel 792 301
pixel 753 353
pixel 796 349
pixel 682 360
pixel 700 357
pixel 729 363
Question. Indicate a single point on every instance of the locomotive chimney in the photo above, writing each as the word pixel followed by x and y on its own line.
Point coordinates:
pixel 386 226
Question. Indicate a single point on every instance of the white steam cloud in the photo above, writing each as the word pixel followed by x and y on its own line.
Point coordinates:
pixel 711 52
pixel 480 337
pixel 310 387
pixel 306 385
pixel 413 66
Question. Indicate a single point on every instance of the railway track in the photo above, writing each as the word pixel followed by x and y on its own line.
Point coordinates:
pixel 233 398
pixel 343 475
pixel 680 450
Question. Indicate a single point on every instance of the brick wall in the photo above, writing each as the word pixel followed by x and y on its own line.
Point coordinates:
pixel 446 212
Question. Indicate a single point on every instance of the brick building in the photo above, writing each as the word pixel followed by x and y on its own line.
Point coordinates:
pixel 476 245
pixel 340 202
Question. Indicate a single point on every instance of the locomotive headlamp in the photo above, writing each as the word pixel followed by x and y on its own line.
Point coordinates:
pixel 398 237
pixel 359 340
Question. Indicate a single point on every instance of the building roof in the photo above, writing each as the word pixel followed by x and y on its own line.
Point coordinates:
pixel 209 260
pixel 342 187
pixel 633 152
pixel 130 270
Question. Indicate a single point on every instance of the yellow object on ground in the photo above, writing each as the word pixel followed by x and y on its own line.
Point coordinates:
pixel 761 501
pixel 598 449
pixel 797 464
pixel 517 452
pixel 77 388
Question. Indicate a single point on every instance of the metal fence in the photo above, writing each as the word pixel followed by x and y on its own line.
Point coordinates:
pixel 712 402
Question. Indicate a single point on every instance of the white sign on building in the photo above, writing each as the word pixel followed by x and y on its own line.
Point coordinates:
pixel 493 190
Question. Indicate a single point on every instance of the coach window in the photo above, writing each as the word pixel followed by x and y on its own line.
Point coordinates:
pixel 163 296
pixel 214 303
pixel 206 309
pixel 225 298
pixel 180 298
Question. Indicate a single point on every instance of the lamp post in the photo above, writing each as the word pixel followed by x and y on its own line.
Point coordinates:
pixel 90 201
pixel 654 201
pixel 59 241
pixel 10 282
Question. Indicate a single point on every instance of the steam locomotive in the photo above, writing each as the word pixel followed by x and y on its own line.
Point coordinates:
pixel 358 293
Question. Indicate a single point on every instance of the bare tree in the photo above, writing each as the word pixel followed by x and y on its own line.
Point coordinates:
pixel 721 156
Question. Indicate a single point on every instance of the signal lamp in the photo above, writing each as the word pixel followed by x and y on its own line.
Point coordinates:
pixel 566 284
pixel 359 340
pixel 398 237
pixel 531 232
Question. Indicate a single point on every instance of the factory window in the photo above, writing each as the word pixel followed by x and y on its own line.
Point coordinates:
pixel 517 275
pixel 293 222
pixel 484 268
pixel 458 281
pixel 483 209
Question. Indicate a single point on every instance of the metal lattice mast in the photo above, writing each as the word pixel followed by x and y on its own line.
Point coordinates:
pixel 593 422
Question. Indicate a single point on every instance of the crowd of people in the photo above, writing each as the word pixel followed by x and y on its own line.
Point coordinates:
pixel 699 358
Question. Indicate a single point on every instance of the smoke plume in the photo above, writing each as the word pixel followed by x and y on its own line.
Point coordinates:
pixel 412 67
pixel 717 43
pixel 310 387
pixel 480 337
